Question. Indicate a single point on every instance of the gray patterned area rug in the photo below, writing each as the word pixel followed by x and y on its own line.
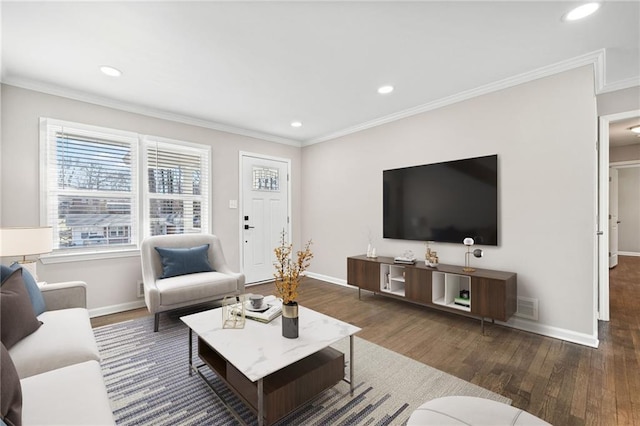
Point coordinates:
pixel 148 382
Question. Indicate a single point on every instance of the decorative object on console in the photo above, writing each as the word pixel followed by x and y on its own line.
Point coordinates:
pixel 25 242
pixel 287 280
pixel 407 258
pixel 431 257
pixel 476 253
pixel 371 252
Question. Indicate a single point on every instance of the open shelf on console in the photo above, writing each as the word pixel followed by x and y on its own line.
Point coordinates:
pixel 392 279
pixel 446 288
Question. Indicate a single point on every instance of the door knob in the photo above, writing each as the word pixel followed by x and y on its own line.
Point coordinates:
pixel 248 227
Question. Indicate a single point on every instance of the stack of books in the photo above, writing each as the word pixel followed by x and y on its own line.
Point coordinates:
pixel 462 302
pixel 271 309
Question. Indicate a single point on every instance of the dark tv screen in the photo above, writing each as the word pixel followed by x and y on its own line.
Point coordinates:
pixel 443 202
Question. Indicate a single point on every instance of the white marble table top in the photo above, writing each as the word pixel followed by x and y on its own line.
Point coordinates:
pixel 259 349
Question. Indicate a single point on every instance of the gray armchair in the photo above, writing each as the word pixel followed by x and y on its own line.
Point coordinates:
pixel 165 294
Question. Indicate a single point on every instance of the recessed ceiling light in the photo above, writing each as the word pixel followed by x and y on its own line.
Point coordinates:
pixel 110 71
pixel 296 124
pixel 383 90
pixel 635 129
pixel 581 11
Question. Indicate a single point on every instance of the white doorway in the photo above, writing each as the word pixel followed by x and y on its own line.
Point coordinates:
pixel 602 285
pixel 265 191
pixel 613 217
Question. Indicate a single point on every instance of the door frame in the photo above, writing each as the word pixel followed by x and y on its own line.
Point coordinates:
pixel 241 155
pixel 602 266
pixel 628 164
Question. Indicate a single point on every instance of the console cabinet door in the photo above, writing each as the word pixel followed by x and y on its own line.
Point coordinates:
pixel 364 274
pixel 418 285
pixel 488 298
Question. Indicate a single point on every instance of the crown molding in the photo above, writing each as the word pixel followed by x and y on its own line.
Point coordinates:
pixel 596 58
pixel 139 109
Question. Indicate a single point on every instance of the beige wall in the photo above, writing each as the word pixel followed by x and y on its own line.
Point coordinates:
pixel 619 101
pixel 544 134
pixel 624 153
pixel 542 131
pixel 112 282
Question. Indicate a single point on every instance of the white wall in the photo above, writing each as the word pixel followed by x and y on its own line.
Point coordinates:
pixel 629 210
pixel 112 283
pixel 544 133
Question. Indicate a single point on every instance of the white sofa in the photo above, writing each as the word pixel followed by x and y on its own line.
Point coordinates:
pixel 58 364
pixel 165 294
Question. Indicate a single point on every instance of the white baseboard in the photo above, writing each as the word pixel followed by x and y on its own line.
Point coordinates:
pixel 518 323
pixel 555 332
pixel 114 309
pixel 628 253
pixel 329 279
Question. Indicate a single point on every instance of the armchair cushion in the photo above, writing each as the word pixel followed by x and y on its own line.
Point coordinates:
pixel 16 313
pixel 183 261
pixel 37 301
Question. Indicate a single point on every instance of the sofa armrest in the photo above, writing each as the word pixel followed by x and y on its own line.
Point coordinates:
pixel 71 294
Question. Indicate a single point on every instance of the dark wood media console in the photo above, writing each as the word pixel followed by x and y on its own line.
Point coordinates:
pixel 492 294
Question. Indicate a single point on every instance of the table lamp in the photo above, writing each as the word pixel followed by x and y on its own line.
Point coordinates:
pixel 26 242
pixel 476 253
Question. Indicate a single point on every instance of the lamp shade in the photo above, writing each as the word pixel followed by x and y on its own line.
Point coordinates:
pixel 25 241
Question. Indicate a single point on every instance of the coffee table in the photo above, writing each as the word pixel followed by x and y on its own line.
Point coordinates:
pixel 273 375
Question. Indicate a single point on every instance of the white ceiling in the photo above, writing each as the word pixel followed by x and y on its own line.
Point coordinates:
pixel 253 67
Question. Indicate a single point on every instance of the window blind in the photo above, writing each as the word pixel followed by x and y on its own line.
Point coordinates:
pixel 177 187
pixel 90 186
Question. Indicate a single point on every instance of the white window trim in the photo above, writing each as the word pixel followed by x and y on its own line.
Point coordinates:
pixel 142 199
pixel 206 189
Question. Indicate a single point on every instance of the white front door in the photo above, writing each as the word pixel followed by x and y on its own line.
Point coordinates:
pixel 613 217
pixel 265 213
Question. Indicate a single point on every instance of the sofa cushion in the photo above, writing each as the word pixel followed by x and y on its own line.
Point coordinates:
pixel 203 286
pixel 72 395
pixel 65 338
pixel 182 261
pixel 10 390
pixel 35 295
pixel 16 313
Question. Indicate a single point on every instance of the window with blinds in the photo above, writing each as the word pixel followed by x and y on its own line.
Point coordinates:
pixel 92 185
pixel 177 196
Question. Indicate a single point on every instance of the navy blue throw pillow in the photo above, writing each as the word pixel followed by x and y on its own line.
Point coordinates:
pixel 182 261
pixel 35 295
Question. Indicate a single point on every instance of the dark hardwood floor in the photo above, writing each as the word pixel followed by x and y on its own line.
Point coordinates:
pixel 562 383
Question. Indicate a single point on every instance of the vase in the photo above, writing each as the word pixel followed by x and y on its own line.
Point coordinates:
pixel 290 320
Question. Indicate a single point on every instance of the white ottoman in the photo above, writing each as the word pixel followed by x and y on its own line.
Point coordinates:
pixel 468 410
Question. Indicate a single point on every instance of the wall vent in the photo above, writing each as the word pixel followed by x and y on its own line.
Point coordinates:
pixel 527 308
pixel 140 289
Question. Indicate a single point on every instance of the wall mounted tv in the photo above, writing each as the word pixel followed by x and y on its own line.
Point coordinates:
pixel 443 202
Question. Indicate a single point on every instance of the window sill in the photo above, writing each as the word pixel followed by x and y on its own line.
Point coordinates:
pixel 85 256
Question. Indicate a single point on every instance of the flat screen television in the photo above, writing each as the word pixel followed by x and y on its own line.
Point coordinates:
pixel 443 202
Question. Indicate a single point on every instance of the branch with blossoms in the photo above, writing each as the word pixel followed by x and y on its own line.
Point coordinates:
pixel 289 273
